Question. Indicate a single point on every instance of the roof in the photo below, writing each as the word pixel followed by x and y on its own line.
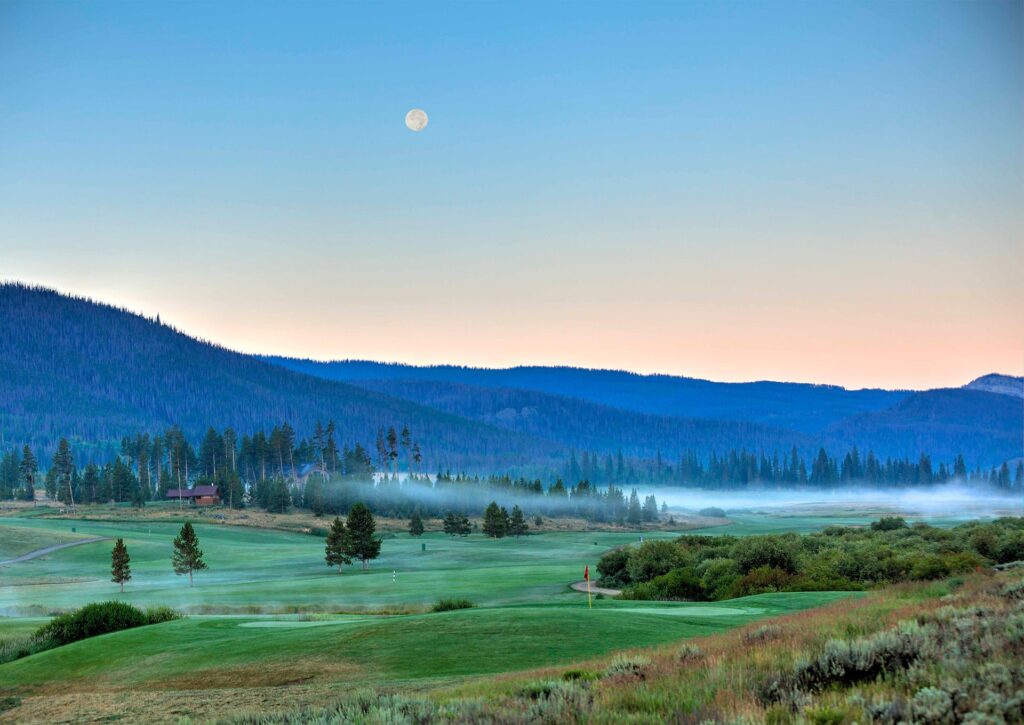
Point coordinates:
pixel 192 493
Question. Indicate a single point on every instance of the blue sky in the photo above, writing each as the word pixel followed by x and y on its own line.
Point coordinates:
pixel 814 191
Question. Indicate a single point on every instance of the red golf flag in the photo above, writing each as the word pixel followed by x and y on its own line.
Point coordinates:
pixel 586 573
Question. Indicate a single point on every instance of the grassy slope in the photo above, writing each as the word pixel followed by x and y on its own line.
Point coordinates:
pixel 21 540
pixel 201 652
pixel 274 570
pixel 527 618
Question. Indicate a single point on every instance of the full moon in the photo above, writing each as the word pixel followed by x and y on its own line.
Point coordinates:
pixel 416 119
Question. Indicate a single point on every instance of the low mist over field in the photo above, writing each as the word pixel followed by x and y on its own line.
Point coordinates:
pixel 955 500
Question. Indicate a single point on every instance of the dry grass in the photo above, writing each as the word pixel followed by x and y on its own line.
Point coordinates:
pixel 302 521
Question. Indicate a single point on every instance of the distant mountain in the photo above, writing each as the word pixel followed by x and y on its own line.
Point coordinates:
pixel 589 426
pixel 798 406
pixel 996 383
pixel 92 372
pixel 603 409
pixel 987 428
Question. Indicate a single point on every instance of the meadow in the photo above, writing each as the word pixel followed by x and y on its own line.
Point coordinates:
pixel 270 614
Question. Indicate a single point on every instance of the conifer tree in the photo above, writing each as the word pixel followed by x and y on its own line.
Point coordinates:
pixel 634 514
pixel 120 567
pixel 187 556
pixel 650 509
pixel 64 468
pixel 338 547
pixel 517 525
pixel 495 521
pixel 363 543
pixel 28 472
pixel 416 524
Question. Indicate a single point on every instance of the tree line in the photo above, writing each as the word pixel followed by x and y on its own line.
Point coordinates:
pixel 737 468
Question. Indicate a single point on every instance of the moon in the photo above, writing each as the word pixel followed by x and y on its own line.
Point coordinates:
pixel 416 119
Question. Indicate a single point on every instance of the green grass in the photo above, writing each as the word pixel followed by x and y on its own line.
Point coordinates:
pixel 377 650
pixel 275 570
pixel 18 540
pixel 525 614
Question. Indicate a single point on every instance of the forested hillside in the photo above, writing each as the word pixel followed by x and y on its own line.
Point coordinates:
pixel 93 373
pixel 983 426
pixel 590 426
pixel 798 406
pixel 986 427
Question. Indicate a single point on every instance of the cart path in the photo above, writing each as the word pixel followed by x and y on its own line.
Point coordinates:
pixel 581 586
pixel 51 549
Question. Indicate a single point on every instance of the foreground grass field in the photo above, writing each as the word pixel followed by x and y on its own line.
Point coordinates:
pixel 271 627
pixel 260 570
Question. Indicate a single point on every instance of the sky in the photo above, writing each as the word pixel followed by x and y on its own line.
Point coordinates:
pixel 822 192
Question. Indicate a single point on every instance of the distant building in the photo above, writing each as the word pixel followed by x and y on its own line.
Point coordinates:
pixel 200 495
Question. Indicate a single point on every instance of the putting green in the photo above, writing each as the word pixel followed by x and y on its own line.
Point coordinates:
pixel 294 624
pixel 685 611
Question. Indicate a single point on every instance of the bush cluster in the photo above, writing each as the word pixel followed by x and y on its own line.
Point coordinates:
pixel 838 558
pixel 89 621
pixel 978 649
pixel 448 605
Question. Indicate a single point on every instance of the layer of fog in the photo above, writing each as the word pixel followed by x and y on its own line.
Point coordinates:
pixel 951 500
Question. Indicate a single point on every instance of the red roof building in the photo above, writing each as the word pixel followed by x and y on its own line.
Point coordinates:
pixel 200 495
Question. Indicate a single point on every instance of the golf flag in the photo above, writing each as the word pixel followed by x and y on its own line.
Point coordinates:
pixel 586 576
pixel 586 572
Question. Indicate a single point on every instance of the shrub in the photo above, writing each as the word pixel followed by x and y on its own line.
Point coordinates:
pixel 767 633
pixel 689 653
pixel 761 580
pixel 680 584
pixel 889 523
pixel 933 706
pixel 579 675
pixel 157 615
pixel 627 667
pixel 930 566
pixel 16 647
pixel 654 558
pixel 712 512
pixel 92 620
pixel 612 567
pixel 718 577
pixel 775 552
pixel 1014 590
pixel 448 605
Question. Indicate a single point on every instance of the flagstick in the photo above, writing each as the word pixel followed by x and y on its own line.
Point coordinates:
pixel 590 603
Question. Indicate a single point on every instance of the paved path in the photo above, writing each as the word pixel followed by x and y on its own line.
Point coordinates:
pixel 581 586
pixel 51 549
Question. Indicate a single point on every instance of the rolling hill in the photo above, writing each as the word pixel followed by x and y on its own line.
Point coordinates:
pixel 797 406
pixel 94 373
pixel 996 383
pixel 580 424
pixel 592 408
pixel 987 428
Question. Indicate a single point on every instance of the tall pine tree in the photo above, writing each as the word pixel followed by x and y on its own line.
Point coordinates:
pixel 120 567
pixel 363 542
pixel 338 546
pixel 187 556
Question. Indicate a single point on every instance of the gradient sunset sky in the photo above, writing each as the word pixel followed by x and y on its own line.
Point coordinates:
pixel 826 192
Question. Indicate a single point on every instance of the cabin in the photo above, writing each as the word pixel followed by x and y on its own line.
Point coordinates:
pixel 198 496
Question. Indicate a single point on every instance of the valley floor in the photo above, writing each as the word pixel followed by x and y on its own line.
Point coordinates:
pixel 272 628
